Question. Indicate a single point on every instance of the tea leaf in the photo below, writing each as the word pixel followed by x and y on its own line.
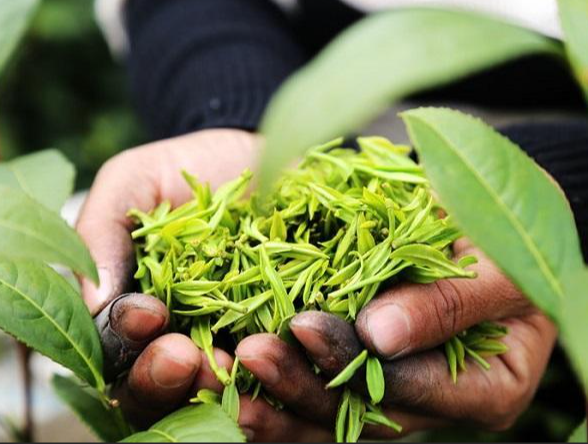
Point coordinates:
pixel 206 396
pixel 14 17
pixel 451 360
pixel 41 309
pixel 375 379
pixel 102 420
pixel 344 100
pixel 202 423
pixel 355 417
pixel 376 416
pixel 230 399
pixel 31 231
pixel 46 176
pixel 573 325
pixel 202 337
pixel 499 211
pixel 573 16
pixel 347 373
pixel 342 413
pixel 579 434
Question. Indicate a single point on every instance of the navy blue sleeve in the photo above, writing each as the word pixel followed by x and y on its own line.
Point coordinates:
pixel 561 148
pixel 196 64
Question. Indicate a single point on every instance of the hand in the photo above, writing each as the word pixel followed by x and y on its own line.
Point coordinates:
pixel 169 367
pixel 165 369
pixel 404 325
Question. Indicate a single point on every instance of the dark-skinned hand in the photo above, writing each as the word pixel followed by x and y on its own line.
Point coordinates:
pixel 404 324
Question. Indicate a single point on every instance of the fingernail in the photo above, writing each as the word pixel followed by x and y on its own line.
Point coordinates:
pixel 169 371
pixel 140 324
pixel 262 368
pixel 389 329
pixel 249 434
pixel 311 339
pixel 96 297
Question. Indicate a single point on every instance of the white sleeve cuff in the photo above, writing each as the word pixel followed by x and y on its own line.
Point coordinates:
pixel 110 18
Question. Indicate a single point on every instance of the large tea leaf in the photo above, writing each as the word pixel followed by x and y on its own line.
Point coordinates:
pixel 381 59
pixel 573 324
pixel 580 434
pixel 203 423
pixel 46 176
pixel 41 309
pixel 503 201
pixel 574 22
pixel 29 230
pixel 14 16
pixel 102 420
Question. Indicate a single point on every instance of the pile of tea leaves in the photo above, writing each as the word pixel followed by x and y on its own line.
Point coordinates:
pixel 333 232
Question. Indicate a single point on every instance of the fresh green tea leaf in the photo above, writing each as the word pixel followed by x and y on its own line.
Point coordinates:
pixel 347 373
pixel 573 16
pixel 375 379
pixel 202 423
pixel 342 414
pixel 355 417
pixel 41 309
pixel 451 355
pixel 30 231
pixel 46 176
pixel 381 68
pixel 498 196
pixel 580 434
pixel 206 396
pixel 230 399
pixel 102 420
pixel 376 416
pixel 573 324
pixel 14 17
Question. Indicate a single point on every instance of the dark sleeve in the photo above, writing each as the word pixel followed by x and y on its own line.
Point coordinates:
pixel 561 148
pixel 196 64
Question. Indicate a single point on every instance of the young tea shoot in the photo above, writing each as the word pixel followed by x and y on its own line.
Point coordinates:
pixel 333 232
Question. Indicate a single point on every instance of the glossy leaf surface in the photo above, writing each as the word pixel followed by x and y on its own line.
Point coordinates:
pixel 203 423
pixel 381 59
pixel 46 176
pixel 89 409
pixel 41 309
pixel 501 199
pixel 30 231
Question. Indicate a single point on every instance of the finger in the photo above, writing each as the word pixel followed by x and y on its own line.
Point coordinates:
pixel 160 380
pixel 285 373
pixel 329 340
pixel 206 379
pixel 263 423
pixel 422 382
pixel 126 326
pixel 301 390
pixel 141 178
pixel 414 317
pixel 123 183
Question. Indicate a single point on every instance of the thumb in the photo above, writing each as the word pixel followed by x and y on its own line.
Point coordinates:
pixel 414 317
pixel 105 228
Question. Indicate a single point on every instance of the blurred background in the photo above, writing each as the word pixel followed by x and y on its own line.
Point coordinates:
pixel 64 90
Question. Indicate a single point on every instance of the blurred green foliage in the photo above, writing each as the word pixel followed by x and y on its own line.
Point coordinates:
pixel 64 90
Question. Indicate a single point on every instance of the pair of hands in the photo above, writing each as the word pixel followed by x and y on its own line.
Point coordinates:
pixel 403 325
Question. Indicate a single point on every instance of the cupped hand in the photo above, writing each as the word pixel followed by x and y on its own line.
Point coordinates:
pixel 164 370
pixel 168 369
pixel 404 326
